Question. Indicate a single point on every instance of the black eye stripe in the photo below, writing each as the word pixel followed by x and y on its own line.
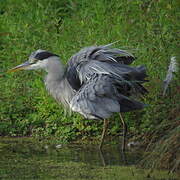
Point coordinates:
pixel 44 55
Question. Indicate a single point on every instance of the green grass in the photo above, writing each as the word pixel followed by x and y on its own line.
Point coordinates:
pixel 63 27
pixel 48 169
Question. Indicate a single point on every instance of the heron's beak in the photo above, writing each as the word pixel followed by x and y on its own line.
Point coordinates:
pixel 20 67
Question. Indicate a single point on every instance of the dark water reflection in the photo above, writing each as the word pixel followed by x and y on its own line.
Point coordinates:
pixel 25 158
pixel 27 148
pixel 110 155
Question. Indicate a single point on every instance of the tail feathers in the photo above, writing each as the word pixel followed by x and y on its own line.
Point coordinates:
pixel 141 73
pixel 141 89
pixel 138 77
pixel 127 104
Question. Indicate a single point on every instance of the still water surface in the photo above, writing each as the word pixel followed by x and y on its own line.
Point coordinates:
pixel 26 148
pixel 25 158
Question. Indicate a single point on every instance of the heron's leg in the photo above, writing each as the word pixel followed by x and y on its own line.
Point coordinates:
pixel 103 133
pixel 124 132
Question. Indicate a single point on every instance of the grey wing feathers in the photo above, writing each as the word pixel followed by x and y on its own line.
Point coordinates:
pixel 99 99
pixel 124 76
pixel 102 53
pixel 98 53
pixel 103 82
pixel 96 99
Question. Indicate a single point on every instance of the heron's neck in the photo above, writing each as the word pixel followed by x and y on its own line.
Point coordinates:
pixel 57 84
pixel 55 70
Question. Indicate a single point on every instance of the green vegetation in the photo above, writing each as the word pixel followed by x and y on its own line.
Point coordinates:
pixel 48 169
pixel 63 27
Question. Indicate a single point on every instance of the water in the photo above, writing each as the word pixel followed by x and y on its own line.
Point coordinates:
pixel 24 158
pixel 27 148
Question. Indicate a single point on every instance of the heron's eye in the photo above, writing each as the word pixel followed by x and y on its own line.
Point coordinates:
pixel 32 61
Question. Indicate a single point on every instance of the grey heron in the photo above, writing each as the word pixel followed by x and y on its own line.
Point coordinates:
pixel 96 82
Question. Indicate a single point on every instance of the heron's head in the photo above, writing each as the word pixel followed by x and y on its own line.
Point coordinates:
pixel 40 59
